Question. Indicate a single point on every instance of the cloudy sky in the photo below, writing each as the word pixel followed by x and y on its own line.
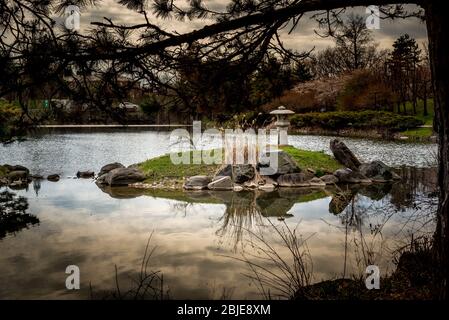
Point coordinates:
pixel 303 38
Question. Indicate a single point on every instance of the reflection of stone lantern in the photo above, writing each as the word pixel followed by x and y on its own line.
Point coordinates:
pixel 282 124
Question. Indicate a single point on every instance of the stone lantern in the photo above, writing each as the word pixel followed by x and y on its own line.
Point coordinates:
pixel 282 124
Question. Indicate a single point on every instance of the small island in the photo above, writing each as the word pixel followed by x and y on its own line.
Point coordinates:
pixel 296 169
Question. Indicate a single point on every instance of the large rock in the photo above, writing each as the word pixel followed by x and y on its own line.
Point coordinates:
pixel 85 174
pixel 267 187
pixel 123 176
pixel 286 164
pixel 101 179
pixel 197 183
pixel 269 180
pixel 53 177
pixel 109 167
pixel 225 171
pixel 243 173
pixel 378 171
pixel 18 175
pixel 317 182
pixel 294 180
pixel 16 168
pixel 250 185
pixel 344 155
pixel 351 176
pixel 221 183
pixel 3 181
pixel 329 179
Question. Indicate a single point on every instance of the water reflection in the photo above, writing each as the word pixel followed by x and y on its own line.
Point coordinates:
pixel 346 228
pixel 13 214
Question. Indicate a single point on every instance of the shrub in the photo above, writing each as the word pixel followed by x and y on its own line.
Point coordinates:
pixel 250 119
pixel 9 118
pixel 363 91
pixel 356 119
pixel 296 101
pixel 151 105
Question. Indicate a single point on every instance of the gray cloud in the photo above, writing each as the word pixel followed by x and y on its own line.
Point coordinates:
pixel 303 38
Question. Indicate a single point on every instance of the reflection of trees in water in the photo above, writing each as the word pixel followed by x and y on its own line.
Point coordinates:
pixel 417 185
pixel 242 213
pixel 181 207
pixel 36 186
pixel 13 215
pixel 364 211
pixel 245 210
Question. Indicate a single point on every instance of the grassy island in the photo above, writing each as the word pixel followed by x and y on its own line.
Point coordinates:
pixel 161 170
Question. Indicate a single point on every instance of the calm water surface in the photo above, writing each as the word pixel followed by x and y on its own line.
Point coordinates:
pixel 196 234
pixel 66 152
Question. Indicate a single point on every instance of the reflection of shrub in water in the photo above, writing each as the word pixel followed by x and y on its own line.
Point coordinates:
pixel 241 214
pixel 13 215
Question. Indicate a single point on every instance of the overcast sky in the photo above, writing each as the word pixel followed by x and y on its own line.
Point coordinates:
pixel 302 39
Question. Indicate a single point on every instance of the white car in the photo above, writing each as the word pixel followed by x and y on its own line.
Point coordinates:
pixel 128 106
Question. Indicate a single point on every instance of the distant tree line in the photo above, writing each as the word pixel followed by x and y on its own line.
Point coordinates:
pixel 383 79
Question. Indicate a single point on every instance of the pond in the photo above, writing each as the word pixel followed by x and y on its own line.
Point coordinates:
pixel 199 238
pixel 70 150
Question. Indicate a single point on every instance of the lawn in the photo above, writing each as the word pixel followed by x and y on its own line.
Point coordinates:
pixel 421 133
pixel 428 120
pixel 316 160
pixel 160 168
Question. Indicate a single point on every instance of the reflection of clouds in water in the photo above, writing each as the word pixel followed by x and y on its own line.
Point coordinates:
pixel 82 225
pixel 96 242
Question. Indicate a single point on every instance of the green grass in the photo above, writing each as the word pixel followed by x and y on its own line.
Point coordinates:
pixel 311 196
pixel 419 133
pixel 428 120
pixel 9 117
pixel 157 169
pixel 3 171
pixel 160 168
pixel 316 160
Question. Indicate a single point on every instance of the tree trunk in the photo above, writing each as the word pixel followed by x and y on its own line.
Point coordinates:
pixel 425 112
pixel 438 32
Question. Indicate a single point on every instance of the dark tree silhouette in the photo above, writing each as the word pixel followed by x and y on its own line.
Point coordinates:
pixel 403 64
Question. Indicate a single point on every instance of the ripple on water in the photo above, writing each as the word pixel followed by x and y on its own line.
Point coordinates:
pixel 66 153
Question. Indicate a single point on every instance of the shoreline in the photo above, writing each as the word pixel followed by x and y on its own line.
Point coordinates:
pixel 56 126
pixel 362 134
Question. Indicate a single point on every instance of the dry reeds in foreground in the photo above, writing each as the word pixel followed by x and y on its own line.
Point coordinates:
pixel 147 285
pixel 277 276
